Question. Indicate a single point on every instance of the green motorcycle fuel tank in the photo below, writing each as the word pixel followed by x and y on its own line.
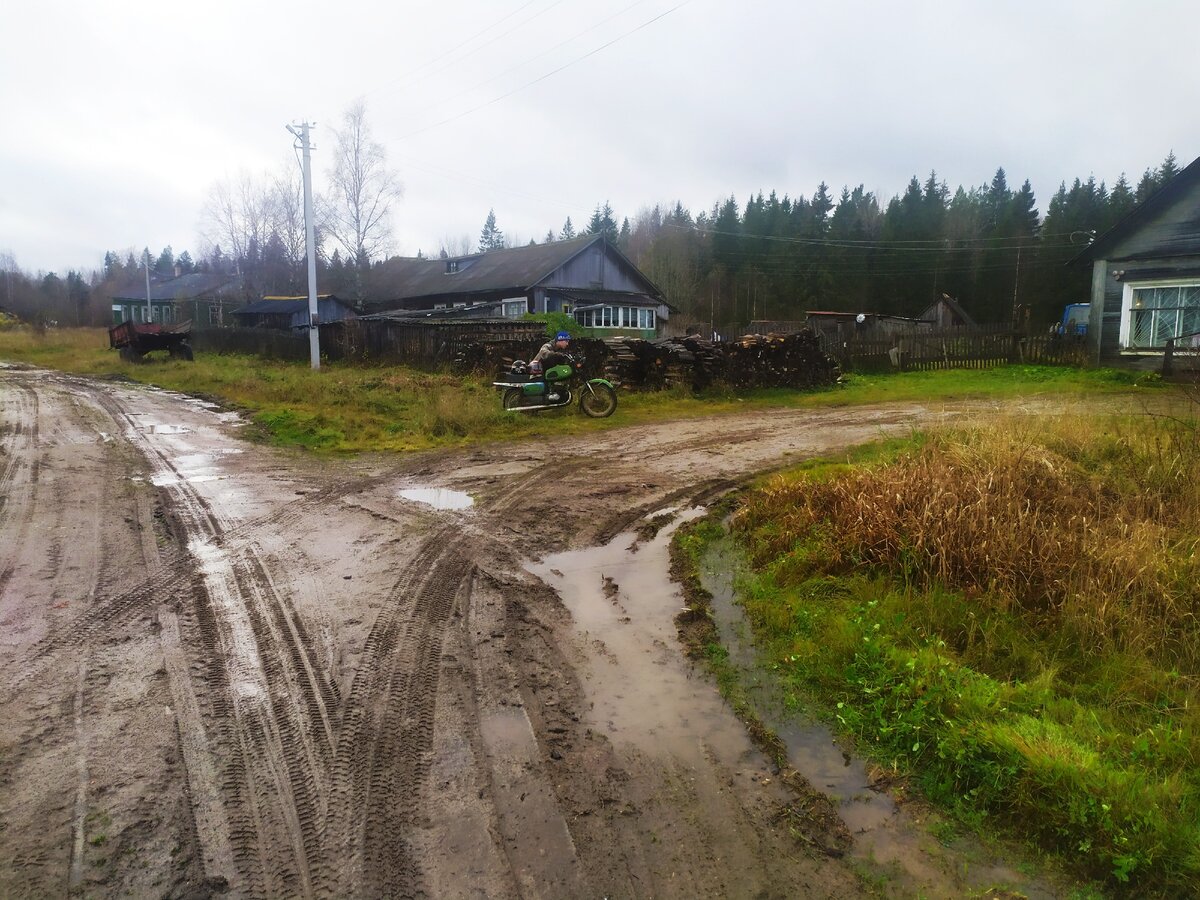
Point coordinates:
pixel 554 373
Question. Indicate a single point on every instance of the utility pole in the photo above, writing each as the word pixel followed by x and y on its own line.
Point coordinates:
pixel 146 264
pixel 1016 282
pixel 310 244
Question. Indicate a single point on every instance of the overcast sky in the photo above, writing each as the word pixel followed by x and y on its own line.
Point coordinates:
pixel 117 118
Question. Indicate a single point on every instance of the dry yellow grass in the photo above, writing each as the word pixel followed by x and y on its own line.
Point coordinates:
pixel 1026 518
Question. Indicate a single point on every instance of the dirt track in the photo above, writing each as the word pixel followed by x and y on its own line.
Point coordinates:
pixel 236 669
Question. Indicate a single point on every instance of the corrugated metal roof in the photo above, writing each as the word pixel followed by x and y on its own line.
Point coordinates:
pixel 515 268
pixel 282 305
pixel 186 287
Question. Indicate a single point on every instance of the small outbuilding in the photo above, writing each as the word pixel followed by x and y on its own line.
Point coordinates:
pixel 1146 274
pixel 946 312
pixel 286 313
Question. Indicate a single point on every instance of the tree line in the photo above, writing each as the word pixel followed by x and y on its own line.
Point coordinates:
pixel 770 256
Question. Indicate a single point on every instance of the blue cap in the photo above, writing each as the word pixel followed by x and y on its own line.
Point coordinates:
pixel 562 336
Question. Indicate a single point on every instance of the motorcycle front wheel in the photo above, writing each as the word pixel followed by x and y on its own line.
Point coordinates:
pixel 598 400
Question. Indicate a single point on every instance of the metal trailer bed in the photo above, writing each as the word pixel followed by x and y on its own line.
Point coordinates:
pixel 135 340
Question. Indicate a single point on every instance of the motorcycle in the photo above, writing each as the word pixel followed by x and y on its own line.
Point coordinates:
pixel 528 390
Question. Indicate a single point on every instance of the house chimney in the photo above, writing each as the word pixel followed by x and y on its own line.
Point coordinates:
pixel 178 270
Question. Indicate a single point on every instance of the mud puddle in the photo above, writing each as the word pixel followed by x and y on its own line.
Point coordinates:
pixel 642 691
pixel 884 833
pixel 439 498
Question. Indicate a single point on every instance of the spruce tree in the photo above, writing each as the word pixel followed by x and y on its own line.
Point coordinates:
pixel 491 238
pixel 568 231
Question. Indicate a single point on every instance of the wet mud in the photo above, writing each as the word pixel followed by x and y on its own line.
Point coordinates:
pixel 237 670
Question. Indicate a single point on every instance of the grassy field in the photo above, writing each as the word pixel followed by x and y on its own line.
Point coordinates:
pixel 346 408
pixel 1006 614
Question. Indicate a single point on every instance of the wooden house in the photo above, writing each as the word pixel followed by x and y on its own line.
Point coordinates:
pixel 286 313
pixel 204 298
pixel 1146 274
pixel 587 278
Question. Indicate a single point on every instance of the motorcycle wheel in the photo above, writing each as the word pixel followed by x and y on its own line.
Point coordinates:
pixel 514 399
pixel 598 400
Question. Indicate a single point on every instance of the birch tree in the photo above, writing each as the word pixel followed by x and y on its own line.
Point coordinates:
pixel 362 189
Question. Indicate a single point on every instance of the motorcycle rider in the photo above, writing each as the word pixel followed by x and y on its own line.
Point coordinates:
pixel 552 354
pixel 557 347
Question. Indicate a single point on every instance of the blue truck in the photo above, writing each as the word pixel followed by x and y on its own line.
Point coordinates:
pixel 1074 320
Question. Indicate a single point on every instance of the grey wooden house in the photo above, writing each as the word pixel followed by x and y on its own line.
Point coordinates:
pixel 586 278
pixel 203 298
pixel 1146 274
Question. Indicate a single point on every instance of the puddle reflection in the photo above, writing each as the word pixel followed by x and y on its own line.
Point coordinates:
pixel 439 498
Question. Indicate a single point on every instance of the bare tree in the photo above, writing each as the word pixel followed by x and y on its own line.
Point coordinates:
pixel 287 212
pixel 462 245
pixel 237 215
pixel 362 189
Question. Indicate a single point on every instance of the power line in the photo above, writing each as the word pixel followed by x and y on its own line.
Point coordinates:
pixel 871 244
pixel 549 74
pixel 411 72
pixel 527 61
pixel 488 43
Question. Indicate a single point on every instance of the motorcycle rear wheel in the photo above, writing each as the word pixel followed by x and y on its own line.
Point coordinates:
pixel 515 399
pixel 598 400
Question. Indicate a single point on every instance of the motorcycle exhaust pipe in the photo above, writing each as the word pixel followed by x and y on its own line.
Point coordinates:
pixel 546 406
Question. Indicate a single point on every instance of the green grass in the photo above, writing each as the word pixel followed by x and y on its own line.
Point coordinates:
pixel 952 606
pixel 347 408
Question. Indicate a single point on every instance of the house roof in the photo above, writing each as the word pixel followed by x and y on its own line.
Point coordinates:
pixel 516 268
pixel 1141 214
pixel 445 312
pixel 951 304
pixel 185 287
pixel 584 295
pixel 281 305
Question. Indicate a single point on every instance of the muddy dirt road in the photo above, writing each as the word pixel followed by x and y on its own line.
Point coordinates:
pixel 234 669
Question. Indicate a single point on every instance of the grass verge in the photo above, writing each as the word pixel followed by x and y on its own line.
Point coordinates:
pixel 347 408
pixel 1006 613
pixel 811 817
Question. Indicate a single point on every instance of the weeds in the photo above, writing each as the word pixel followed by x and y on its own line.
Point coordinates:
pixel 1009 612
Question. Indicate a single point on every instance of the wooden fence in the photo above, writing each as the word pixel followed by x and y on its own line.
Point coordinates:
pixel 476 344
pixel 923 351
pixel 265 342
pixel 423 344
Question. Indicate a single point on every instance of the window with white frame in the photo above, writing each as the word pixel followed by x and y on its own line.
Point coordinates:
pixel 1156 313
pixel 616 317
pixel 514 309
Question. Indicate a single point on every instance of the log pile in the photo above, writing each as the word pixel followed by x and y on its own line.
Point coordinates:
pixel 774 360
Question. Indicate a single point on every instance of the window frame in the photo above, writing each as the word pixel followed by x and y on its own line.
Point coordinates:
pixel 1127 309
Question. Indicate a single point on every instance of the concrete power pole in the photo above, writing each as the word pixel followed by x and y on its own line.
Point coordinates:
pixel 149 306
pixel 310 244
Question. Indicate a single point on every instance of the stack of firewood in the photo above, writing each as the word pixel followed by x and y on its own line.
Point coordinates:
pixel 773 360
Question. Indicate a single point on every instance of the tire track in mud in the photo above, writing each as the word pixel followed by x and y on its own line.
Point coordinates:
pixel 260 690
pixel 387 727
pixel 20 457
